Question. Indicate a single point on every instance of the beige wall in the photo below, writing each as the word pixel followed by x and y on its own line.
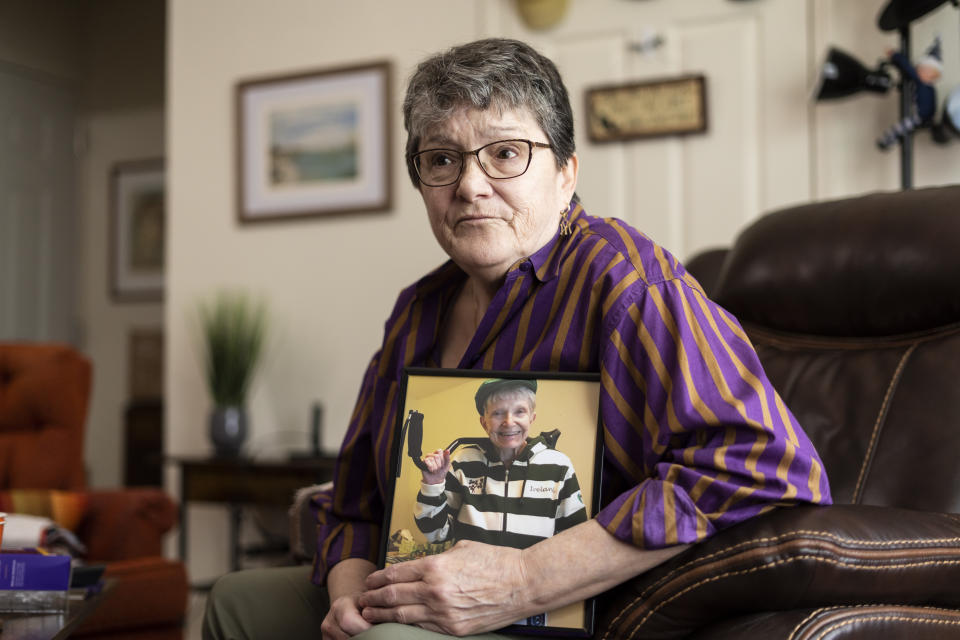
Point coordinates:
pixel 330 283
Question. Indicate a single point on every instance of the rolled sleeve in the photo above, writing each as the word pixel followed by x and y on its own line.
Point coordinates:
pixel 340 539
pixel 681 383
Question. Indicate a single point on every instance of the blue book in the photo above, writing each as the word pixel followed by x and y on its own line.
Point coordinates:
pixel 34 572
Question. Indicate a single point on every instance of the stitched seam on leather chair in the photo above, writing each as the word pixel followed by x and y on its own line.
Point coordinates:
pixel 770 565
pixel 878 425
pixel 860 620
pixel 763 336
pixel 814 614
pixel 857 613
pixel 852 542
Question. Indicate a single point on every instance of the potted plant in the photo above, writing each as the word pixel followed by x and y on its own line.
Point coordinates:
pixel 233 326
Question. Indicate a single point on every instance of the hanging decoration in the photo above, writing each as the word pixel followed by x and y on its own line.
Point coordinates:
pixel 842 75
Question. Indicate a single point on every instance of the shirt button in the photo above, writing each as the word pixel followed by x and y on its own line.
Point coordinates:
pixel 525 266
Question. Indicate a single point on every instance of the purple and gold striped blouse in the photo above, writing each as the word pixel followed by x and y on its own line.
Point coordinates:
pixel 696 438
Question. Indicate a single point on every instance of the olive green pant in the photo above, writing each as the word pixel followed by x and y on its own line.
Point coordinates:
pixel 282 603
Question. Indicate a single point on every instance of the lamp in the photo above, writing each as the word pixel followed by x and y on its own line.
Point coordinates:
pixel 842 75
pixel 898 14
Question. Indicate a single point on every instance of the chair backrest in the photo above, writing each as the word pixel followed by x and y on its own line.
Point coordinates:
pixel 44 392
pixel 854 308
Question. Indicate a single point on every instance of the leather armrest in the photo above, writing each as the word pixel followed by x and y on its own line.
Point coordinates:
pixel 860 622
pixel 122 524
pixel 794 558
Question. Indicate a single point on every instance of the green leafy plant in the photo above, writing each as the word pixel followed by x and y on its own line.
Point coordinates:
pixel 233 325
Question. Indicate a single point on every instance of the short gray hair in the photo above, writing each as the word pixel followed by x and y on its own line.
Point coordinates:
pixel 493 72
pixel 527 394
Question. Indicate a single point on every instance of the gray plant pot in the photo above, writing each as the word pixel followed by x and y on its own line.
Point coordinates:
pixel 228 430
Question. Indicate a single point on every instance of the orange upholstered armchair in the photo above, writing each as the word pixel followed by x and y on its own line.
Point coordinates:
pixel 44 394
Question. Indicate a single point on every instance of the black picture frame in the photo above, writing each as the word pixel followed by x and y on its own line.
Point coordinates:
pixel 445 400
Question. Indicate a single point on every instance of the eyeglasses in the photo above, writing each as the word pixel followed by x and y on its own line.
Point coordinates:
pixel 499 160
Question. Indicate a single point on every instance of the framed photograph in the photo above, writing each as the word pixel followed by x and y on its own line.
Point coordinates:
pixel 314 143
pixel 523 462
pixel 137 223
pixel 674 106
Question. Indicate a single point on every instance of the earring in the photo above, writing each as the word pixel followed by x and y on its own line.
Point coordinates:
pixel 565 228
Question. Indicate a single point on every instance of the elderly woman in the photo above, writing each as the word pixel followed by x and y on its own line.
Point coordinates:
pixel 696 437
pixel 462 494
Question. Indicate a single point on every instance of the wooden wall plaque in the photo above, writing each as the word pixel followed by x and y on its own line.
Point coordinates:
pixel 674 106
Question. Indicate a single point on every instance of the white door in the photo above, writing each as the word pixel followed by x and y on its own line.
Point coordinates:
pixel 693 192
pixel 38 227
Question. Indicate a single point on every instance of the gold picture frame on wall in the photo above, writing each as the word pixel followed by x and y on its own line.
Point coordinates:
pixel 440 409
pixel 137 230
pixel 314 143
pixel 674 106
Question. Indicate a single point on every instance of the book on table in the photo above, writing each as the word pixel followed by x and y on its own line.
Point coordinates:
pixel 33 581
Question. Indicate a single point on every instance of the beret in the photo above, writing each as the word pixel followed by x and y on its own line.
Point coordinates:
pixel 496 385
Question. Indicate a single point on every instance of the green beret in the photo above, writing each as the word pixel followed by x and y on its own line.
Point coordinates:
pixel 496 385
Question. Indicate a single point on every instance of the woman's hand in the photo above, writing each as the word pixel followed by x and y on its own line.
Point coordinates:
pixel 343 619
pixel 345 583
pixel 438 464
pixel 476 587
pixel 471 588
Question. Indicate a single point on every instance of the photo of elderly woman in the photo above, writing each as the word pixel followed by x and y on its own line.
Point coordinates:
pixel 505 461
pixel 513 490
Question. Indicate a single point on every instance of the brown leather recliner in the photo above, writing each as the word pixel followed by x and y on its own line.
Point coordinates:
pixel 44 393
pixel 854 308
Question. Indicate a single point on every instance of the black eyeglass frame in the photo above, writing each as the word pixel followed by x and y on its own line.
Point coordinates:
pixel 414 159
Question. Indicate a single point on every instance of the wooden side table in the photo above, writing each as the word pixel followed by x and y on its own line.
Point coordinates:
pixel 239 482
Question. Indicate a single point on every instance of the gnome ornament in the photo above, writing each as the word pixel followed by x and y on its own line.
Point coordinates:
pixel 923 99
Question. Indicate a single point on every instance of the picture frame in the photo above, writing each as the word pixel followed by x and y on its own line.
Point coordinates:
pixel 566 419
pixel 653 108
pixel 137 230
pixel 316 143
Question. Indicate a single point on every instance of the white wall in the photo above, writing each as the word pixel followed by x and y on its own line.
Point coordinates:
pixel 330 282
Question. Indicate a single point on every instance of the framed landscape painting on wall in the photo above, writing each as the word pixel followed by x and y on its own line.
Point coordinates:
pixel 137 230
pixel 551 484
pixel 315 143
